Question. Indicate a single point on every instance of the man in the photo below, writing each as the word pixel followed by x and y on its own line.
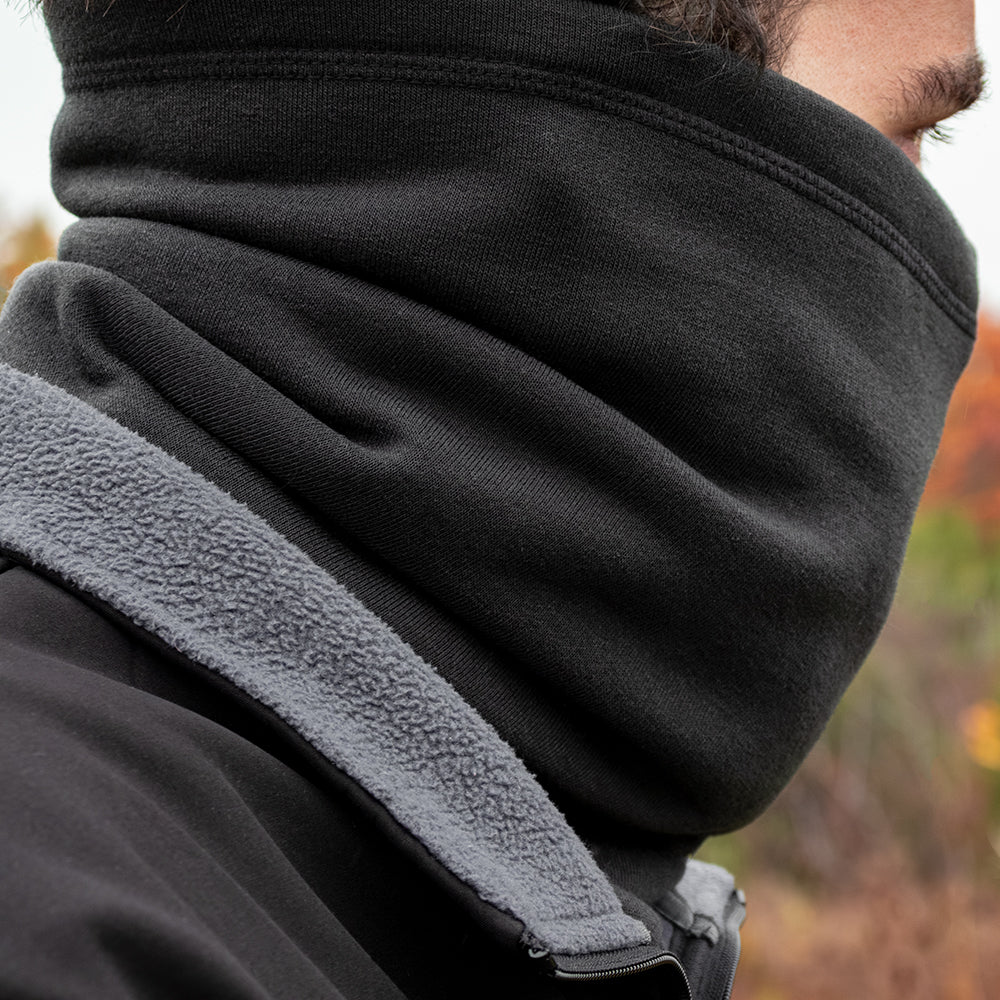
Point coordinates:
pixel 431 388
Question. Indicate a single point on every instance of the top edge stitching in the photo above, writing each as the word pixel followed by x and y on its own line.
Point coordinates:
pixel 107 74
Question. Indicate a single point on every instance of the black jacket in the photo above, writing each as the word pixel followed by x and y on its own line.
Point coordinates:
pixel 170 830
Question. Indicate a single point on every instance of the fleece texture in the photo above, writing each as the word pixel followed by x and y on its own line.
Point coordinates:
pixel 701 901
pixel 85 498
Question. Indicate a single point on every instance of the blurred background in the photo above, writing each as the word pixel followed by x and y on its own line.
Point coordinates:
pixel 876 874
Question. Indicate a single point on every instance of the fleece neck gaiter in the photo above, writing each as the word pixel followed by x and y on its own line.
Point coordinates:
pixel 606 369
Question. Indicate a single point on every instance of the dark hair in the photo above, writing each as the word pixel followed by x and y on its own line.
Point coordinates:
pixel 756 30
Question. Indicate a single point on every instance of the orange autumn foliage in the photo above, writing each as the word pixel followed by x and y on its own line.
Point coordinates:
pixel 21 247
pixel 966 472
pixel 980 725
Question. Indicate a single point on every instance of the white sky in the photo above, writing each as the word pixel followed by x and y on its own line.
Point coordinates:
pixel 966 171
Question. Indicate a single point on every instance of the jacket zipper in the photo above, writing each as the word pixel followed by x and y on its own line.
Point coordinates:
pixel 725 969
pixel 661 959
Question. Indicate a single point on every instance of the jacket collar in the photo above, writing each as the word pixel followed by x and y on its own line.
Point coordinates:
pixel 116 517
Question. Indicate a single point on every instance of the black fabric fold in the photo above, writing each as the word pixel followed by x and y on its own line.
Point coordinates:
pixel 606 370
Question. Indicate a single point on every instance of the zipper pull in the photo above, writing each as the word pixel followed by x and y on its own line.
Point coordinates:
pixel 601 965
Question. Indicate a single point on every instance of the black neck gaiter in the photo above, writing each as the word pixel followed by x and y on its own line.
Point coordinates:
pixel 606 370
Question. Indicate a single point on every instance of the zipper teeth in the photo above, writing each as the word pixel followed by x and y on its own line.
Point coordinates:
pixel 726 971
pixel 624 970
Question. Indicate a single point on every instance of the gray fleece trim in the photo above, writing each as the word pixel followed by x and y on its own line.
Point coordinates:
pixel 122 520
pixel 708 890
pixel 702 902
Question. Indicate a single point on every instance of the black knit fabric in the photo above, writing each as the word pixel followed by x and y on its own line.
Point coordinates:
pixel 604 369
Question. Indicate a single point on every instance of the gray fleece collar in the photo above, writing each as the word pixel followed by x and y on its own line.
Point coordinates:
pixel 117 517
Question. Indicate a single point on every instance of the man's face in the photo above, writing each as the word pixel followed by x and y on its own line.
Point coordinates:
pixel 901 65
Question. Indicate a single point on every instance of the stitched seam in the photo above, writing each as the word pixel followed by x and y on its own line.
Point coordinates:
pixel 116 74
